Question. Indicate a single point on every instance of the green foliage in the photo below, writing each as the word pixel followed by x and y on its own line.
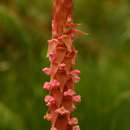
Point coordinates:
pixel 103 59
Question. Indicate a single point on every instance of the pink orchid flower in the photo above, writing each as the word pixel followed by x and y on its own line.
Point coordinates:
pixel 62 55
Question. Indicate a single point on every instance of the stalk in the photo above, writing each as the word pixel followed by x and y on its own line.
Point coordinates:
pixel 62 98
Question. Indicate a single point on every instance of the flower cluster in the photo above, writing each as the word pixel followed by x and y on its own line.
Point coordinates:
pixel 62 98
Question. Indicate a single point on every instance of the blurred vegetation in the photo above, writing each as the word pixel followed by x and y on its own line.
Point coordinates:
pixel 104 61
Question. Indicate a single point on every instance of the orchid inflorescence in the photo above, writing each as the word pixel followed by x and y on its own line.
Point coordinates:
pixel 62 98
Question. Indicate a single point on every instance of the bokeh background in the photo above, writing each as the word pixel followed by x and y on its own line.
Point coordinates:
pixel 103 58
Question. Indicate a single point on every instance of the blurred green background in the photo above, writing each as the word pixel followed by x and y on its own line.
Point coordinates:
pixel 103 58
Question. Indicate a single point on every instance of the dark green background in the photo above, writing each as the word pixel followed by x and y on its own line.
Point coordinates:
pixel 103 58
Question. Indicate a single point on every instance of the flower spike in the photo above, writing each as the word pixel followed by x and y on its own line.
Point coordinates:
pixel 62 98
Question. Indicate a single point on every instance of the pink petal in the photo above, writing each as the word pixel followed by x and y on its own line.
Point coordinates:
pixel 76 79
pixel 47 71
pixel 47 86
pixel 69 92
pixel 49 100
pixel 77 99
pixel 73 121
pixel 62 111
pixel 75 72
pixel 62 67
pixel 76 127
pixel 55 83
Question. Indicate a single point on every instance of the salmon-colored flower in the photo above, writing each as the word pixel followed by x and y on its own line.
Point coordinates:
pixel 47 71
pixel 62 98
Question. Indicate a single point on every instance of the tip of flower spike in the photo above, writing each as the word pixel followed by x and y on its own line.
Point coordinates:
pixel 76 127
pixel 62 111
pixel 77 99
pixel 73 121
pixel 46 70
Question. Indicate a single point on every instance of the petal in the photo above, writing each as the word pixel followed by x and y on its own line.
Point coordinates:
pixel 49 100
pixel 46 70
pixel 55 84
pixel 73 121
pixel 47 86
pixel 77 99
pixel 62 111
pixel 75 72
pixel 76 127
pixel 76 79
pixel 62 67
pixel 69 92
